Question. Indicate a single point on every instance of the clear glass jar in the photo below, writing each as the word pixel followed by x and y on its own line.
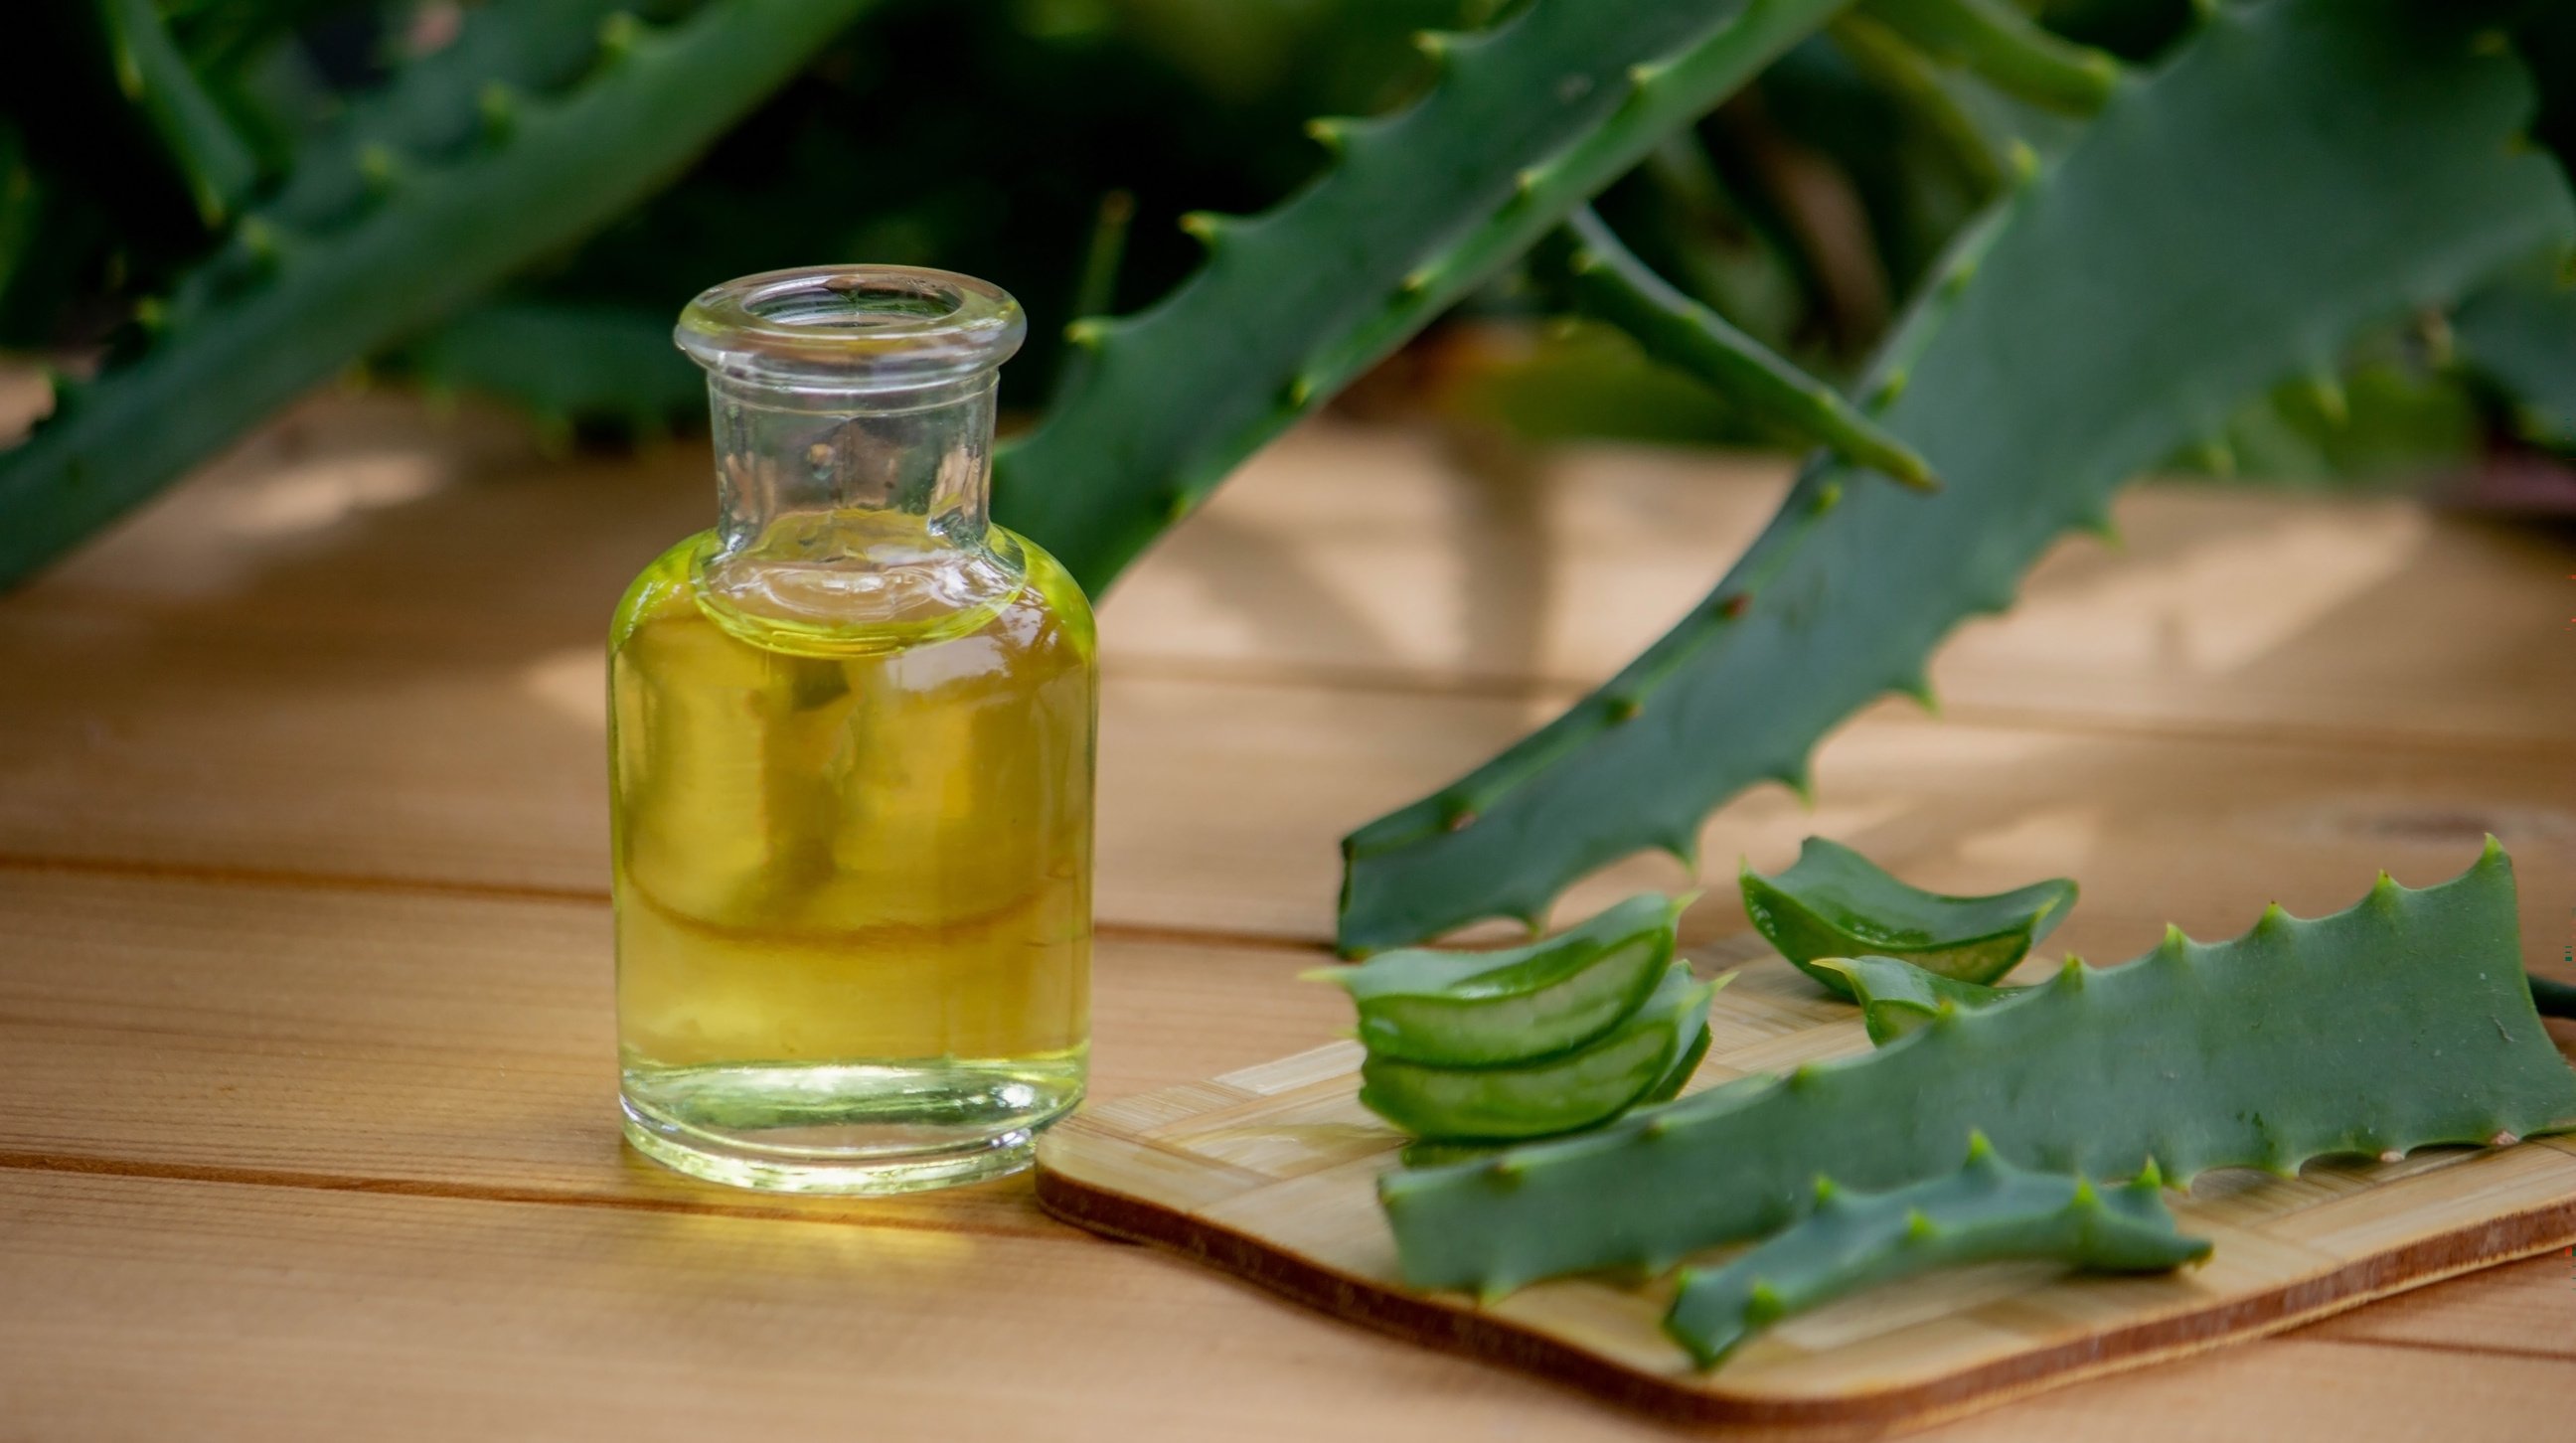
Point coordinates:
pixel 851 762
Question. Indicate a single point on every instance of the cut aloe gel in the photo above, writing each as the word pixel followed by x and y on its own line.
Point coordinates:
pixel 1837 903
pixel 1555 1094
pixel 1483 1009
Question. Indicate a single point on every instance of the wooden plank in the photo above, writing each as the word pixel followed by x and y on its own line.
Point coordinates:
pixel 155 1309
pixel 1389 558
pixel 442 1044
pixel 1221 803
pixel 1284 1195
pixel 152 1309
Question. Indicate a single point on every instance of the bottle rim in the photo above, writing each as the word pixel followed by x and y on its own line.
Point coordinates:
pixel 852 328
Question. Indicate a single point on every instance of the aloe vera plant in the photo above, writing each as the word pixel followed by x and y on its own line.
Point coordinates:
pixel 2398 1023
pixel 1604 280
pixel 2296 173
pixel 1581 1088
pixel 1476 1009
pixel 1987 1211
pixel 348 258
pixel 1523 122
pixel 1834 902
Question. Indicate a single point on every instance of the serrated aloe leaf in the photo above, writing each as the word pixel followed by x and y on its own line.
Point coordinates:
pixel 1988 1211
pixel 2297 173
pixel 2398 1023
pixel 1582 1088
pixel 2006 48
pixel 1897 997
pixel 1834 902
pixel 282 307
pixel 1523 122
pixel 1607 282
pixel 1476 1009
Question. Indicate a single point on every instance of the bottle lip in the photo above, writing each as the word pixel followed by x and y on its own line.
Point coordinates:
pixel 852 328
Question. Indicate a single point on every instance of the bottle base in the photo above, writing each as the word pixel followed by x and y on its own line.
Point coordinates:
pixel 846 1129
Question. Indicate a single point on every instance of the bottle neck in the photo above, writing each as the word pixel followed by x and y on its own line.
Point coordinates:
pixel 838 478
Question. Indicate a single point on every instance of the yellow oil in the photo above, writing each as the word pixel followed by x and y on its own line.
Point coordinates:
pixel 852 868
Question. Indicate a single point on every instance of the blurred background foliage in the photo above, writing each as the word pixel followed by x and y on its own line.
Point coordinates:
pixel 1053 145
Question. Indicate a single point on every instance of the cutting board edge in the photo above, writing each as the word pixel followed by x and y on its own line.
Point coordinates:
pixel 1427 1320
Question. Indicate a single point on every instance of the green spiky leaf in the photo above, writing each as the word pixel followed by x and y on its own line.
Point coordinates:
pixel 2298 173
pixel 1987 1211
pixel 1522 123
pixel 283 306
pixel 2398 1023
pixel 1834 902
pixel 1607 282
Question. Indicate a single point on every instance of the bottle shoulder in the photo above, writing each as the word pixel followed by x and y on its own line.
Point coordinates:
pixel 1020 596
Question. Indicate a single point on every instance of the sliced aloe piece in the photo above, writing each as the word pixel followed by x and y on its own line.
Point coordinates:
pixel 1837 903
pixel 1485 1009
pixel 1694 1049
pixel 1897 997
pixel 1572 1090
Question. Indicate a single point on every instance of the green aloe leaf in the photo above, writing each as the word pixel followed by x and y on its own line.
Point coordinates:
pixel 330 272
pixel 1988 1211
pixel 1834 902
pixel 2298 173
pixel 1522 123
pixel 2400 1022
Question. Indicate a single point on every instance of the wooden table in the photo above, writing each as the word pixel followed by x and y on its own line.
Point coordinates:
pixel 306 1079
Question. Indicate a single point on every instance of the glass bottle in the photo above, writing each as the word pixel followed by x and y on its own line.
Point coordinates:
pixel 850 755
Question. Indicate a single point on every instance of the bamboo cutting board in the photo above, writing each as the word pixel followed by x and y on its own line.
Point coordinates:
pixel 1269 1173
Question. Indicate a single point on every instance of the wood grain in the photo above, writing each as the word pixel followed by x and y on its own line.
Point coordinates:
pixel 159 1310
pixel 1362 556
pixel 1222 803
pixel 444 1045
pixel 303 1017
pixel 1270 1174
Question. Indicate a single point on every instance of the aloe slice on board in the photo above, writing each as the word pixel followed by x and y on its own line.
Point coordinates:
pixel 1483 1009
pixel 1837 903
pixel 1988 1211
pixel 1571 1090
pixel 1439 1152
pixel 1896 997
